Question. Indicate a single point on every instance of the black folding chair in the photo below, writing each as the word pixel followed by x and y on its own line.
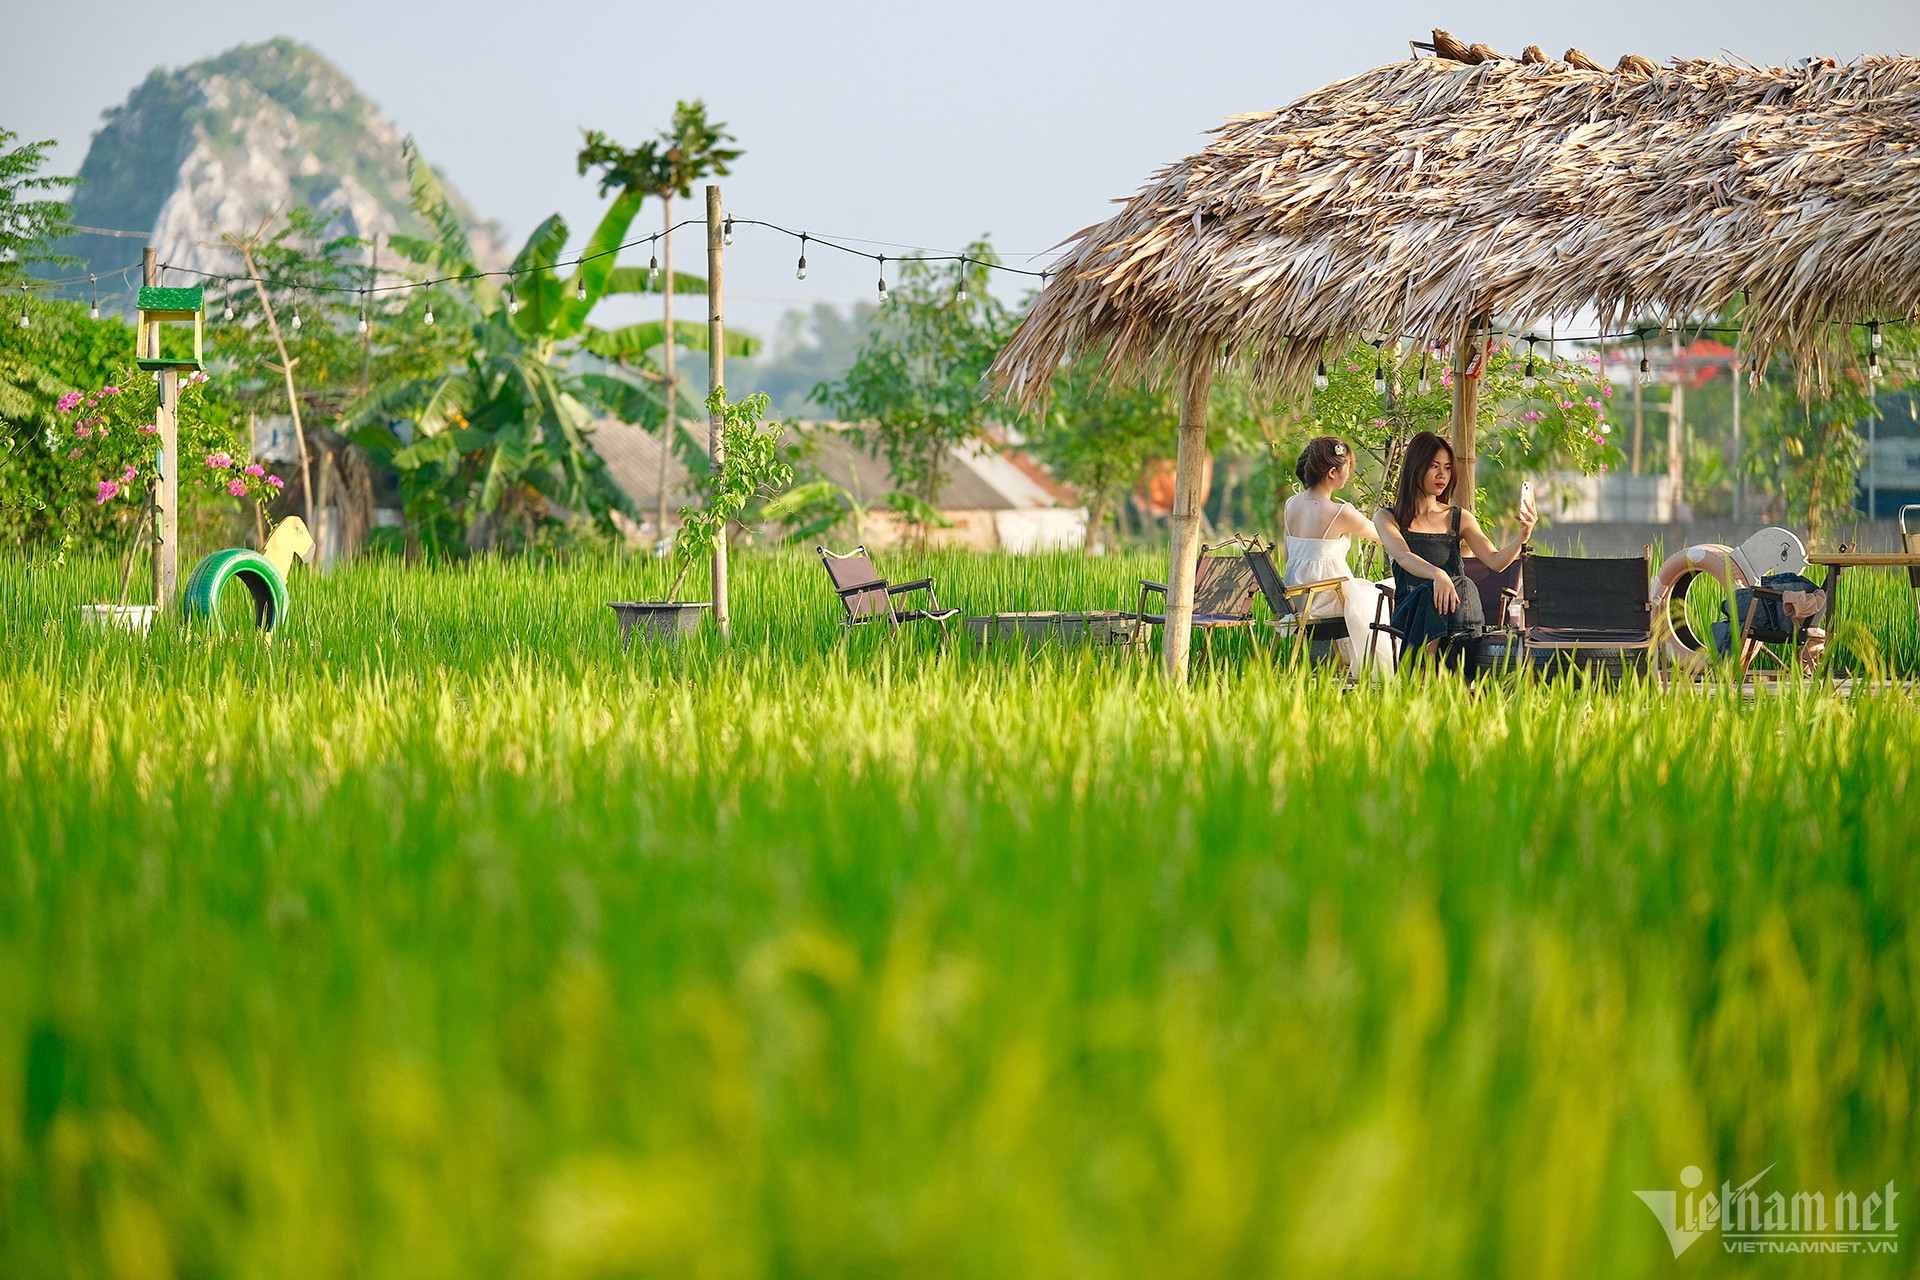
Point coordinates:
pixel 1223 591
pixel 1574 606
pixel 868 597
pixel 1292 607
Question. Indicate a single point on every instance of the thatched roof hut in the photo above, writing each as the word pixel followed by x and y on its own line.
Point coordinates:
pixel 1422 193
pixel 1417 197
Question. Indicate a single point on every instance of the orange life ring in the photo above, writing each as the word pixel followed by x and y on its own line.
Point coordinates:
pixel 1670 585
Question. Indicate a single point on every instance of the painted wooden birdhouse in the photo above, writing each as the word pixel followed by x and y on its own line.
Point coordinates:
pixel 158 307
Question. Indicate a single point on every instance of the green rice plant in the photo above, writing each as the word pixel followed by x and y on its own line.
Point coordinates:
pixel 439 936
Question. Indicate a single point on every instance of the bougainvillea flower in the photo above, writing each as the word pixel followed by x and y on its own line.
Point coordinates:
pixel 276 482
pixel 127 475
pixel 255 469
pixel 108 489
pixel 237 488
pixel 219 460
pixel 70 401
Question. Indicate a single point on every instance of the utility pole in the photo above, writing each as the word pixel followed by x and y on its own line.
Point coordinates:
pixel 166 488
pixel 670 430
pixel 716 418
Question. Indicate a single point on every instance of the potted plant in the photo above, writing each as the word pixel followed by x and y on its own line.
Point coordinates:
pixel 750 467
pixel 108 454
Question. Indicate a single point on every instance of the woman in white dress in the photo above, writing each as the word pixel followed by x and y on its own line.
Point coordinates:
pixel 1320 529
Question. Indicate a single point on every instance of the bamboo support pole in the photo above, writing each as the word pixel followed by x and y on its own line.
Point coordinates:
pixel 1466 411
pixel 1190 464
pixel 670 425
pixel 166 485
pixel 716 419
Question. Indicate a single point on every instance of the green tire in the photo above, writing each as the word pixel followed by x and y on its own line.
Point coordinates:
pixel 210 577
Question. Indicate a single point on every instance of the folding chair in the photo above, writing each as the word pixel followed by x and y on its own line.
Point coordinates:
pixel 867 596
pixel 1292 607
pixel 1573 605
pixel 1223 591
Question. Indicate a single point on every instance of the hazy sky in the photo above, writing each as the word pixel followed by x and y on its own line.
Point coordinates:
pixel 923 125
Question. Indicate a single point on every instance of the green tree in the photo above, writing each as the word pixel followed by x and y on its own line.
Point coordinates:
pixel 1098 436
pixel 29 219
pixel 666 166
pixel 918 387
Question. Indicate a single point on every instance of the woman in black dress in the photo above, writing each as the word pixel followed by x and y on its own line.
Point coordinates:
pixel 1434 602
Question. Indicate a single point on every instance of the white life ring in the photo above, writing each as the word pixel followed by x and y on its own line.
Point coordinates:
pixel 1771 550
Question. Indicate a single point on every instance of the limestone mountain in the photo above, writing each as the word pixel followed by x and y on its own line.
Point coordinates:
pixel 216 145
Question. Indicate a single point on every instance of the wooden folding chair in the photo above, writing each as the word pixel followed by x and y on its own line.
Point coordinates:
pixel 868 597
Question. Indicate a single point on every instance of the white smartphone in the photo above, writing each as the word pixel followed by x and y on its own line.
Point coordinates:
pixel 1526 498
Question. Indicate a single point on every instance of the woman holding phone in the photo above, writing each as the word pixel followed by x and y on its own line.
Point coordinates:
pixel 1434 602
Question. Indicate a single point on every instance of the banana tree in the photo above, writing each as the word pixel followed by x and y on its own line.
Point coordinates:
pixel 506 430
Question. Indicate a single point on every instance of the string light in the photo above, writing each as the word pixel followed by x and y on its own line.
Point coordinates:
pixel 653 269
pixel 363 311
pixel 1320 376
pixel 960 294
pixel 25 321
pixel 429 320
pixel 800 272
pixel 513 303
pixel 1873 364
pixel 726 230
pixel 1874 330
pixel 580 293
pixel 296 311
pixel 1426 386
pixel 1528 382
pixel 93 312
pixel 883 279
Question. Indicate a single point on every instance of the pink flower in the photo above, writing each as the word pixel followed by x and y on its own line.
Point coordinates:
pixel 278 483
pixel 83 431
pixel 1379 422
pixel 127 475
pixel 197 375
pixel 237 488
pixel 219 460
pixel 150 429
pixel 1607 391
pixel 70 401
pixel 109 391
pixel 255 469
pixel 1352 368
pixel 1603 466
pixel 108 489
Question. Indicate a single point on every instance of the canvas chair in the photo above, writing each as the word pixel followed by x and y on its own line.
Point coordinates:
pixel 1575 604
pixel 868 597
pixel 1223 591
pixel 1292 607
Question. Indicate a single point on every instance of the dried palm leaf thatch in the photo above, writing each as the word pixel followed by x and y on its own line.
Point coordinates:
pixel 1422 193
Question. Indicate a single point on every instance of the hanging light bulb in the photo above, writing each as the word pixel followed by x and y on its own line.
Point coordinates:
pixel 1874 330
pixel 580 293
pixel 296 313
pixel 1320 376
pixel 960 294
pixel 883 279
pixel 1528 382
pixel 1426 384
pixel 1873 361
pixel 513 303
pixel 25 320
pixel 229 310
pixel 1646 374
pixel 363 311
pixel 800 272
pixel 93 312
pixel 429 320
pixel 1379 380
pixel 653 271
pixel 726 230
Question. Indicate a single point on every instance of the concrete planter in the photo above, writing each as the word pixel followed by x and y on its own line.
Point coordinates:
pixel 127 617
pixel 657 620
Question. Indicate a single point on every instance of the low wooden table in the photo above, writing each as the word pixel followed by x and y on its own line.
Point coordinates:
pixel 1839 561
pixel 1098 627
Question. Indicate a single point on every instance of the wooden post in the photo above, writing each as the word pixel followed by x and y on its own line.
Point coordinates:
pixel 1638 410
pixel 670 425
pixel 1677 437
pixel 166 487
pixel 1190 464
pixel 716 370
pixel 1733 367
pixel 1466 413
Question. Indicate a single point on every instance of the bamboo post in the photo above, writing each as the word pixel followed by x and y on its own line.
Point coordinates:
pixel 166 486
pixel 670 426
pixel 1677 436
pixel 1739 487
pixel 716 360
pixel 1183 522
pixel 1466 411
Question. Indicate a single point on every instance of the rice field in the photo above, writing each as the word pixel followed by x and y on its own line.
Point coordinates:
pixel 441 937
